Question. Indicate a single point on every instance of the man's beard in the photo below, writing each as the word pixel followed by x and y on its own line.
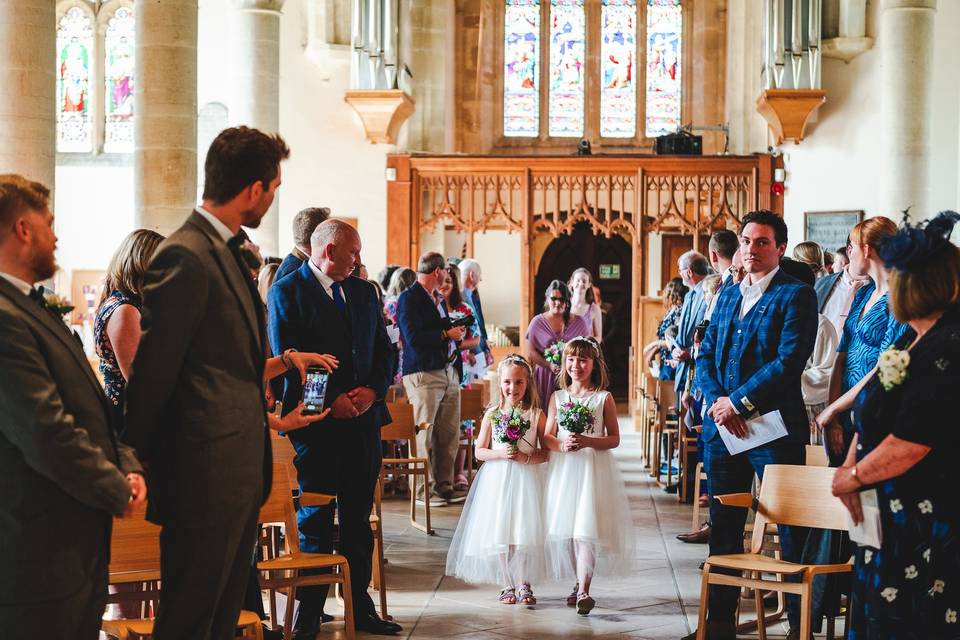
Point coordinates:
pixel 43 265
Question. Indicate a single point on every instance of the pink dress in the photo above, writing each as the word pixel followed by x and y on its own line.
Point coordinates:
pixel 540 336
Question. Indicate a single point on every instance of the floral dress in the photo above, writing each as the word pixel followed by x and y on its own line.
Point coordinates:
pixel 671 319
pixel 909 589
pixel 467 372
pixel 114 384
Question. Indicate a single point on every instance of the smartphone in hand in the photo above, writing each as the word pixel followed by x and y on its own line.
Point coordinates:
pixel 315 390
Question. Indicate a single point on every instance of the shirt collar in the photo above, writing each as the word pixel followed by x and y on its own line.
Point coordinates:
pixel 761 284
pixel 23 287
pixel 325 280
pixel 222 230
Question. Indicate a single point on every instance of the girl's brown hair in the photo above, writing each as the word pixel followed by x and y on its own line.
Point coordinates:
pixel 129 264
pixel 585 347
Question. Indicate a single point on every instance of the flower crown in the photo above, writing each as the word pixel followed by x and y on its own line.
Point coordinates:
pixel 914 245
pixel 516 358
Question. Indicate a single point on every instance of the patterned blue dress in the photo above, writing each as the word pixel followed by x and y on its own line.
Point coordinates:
pixel 113 381
pixel 671 319
pixel 909 589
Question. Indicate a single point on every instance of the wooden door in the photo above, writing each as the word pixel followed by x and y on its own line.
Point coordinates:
pixel 673 246
pixel 583 249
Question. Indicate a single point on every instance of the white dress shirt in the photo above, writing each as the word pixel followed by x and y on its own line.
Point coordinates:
pixel 22 286
pixel 839 300
pixel 325 281
pixel 815 381
pixel 752 293
pixel 727 273
pixel 218 226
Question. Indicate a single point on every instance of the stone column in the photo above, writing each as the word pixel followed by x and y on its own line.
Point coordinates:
pixel 748 129
pixel 906 81
pixel 256 88
pixel 165 114
pixel 28 121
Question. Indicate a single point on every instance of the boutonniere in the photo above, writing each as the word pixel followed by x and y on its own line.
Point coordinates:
pixel 892 367
pixel 251 255
pixel 59 305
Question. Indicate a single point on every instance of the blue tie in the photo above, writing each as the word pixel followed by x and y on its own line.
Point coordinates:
pixel 338 300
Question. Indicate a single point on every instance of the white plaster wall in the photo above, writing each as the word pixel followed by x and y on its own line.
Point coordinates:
pixel 839 165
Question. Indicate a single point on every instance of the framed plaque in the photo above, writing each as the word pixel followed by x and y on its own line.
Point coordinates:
pixel 830 229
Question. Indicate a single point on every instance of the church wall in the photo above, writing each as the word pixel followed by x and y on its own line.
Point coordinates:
pixel 839 164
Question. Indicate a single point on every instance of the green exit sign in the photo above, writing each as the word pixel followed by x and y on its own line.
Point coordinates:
pixel 609 272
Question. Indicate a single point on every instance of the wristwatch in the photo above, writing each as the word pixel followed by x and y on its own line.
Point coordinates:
pixel 853 474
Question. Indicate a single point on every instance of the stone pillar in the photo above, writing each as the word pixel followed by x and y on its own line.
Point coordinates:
pixel 28 121
pixel 748 129
pixel 165 114
pixel 906 81
pixel 256 88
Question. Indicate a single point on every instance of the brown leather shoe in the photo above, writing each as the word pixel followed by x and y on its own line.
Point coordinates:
pixel 696 537
pixel 717 631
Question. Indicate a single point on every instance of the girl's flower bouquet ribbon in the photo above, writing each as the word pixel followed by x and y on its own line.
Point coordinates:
pixel 510 426
pixel 554 353
pixel 574 417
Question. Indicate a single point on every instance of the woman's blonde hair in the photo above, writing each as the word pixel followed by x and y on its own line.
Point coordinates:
pixel 585 347
pixel 129 264
pixel 268 273
pixel 810 253
pixel 530 398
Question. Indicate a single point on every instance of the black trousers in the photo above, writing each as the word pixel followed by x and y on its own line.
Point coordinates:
pixel 204 577
pixel 76 617
pixel 342 460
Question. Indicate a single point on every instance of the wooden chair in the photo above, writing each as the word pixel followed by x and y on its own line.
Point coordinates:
pixel 789 495
pixel 817 456
pixel 648 416
pixel 699 476
pixel 403 427
pixel 664 427
pixel 471 408
pixel 135 558
pixel 284 571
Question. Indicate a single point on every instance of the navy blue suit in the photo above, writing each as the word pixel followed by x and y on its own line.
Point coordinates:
pixel 756 362
pixel 290 264
pixel 336 456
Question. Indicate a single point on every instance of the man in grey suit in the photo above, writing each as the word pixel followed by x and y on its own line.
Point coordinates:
pixel 195 402
pixel 64 476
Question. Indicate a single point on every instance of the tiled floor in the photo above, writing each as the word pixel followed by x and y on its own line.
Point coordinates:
pixel 658 602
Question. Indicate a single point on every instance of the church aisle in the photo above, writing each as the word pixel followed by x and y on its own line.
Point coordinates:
pixel 658 602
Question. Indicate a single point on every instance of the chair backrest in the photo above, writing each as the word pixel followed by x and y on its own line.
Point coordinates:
pixel 135 544
pixel 471 405
pixel 817 456
pixel 402 425
pixel 797 495
pixel 279 506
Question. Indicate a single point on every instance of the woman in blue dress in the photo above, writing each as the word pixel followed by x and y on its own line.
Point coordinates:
pixel 673 295
pixel 869 329
pixel 908 587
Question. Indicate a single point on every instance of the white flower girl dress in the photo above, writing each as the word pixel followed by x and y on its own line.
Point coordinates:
pixel 499 539
pixel 587 511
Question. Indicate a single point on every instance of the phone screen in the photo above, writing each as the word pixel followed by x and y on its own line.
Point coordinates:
pixel 314 390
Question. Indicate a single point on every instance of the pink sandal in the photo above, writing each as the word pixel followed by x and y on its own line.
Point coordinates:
pixel 460 483
pixel 525 593
pixel 508 596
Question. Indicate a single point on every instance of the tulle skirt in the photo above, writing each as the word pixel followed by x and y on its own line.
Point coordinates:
pixel 587 516
pixel 499 539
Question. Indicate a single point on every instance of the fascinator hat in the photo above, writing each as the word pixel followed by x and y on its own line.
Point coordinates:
pixel 915 245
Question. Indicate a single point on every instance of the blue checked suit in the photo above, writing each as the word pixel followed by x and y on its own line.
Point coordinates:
pixel 757 363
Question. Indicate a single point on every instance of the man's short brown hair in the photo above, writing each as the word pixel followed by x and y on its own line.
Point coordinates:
pixel 237 158
pixel 16 195
pixel 430 262
pixel 305 222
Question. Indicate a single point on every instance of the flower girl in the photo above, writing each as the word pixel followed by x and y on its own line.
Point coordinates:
pixel 588 522
pixel 500 535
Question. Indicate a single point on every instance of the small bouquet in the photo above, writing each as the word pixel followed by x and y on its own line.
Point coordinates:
pixel 574 417
pixel 892 367
pixel 250 253
pixel 554 353
pixel 59 305
pixel 510 426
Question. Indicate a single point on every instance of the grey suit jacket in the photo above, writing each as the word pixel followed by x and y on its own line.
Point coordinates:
pixel 195 410
pixel 824 287
pixel 61 470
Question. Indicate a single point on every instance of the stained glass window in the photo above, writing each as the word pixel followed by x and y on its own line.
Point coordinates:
pixel 664 28
pixel 618 47
pixel 521 68
pixel 567 53
pixel 118 96
pixel 74 49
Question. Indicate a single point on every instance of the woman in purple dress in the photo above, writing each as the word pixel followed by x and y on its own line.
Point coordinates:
pixel 555 324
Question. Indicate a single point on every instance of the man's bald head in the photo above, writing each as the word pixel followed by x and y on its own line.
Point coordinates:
pixel 335 248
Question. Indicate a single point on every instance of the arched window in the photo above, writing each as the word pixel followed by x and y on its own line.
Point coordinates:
pixel 95 60
pixel 74 78
pixel 118 73
pixel 588 52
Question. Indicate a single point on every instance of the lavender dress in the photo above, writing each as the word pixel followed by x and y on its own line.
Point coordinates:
pixel 540 336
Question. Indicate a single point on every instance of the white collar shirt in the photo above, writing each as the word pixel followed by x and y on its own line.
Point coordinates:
pixel 21 286
pixel 837 305
pixel 751 293
pixel 325 281
pixel 727 273
pixel 222 230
